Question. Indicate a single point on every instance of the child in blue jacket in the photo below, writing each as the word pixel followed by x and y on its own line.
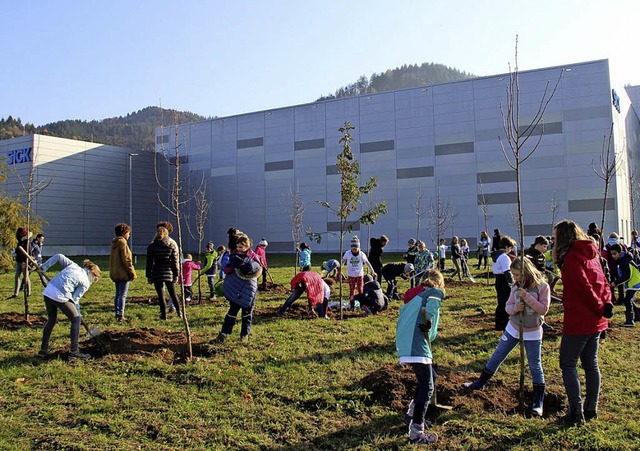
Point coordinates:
pixel 414 348
pixel 240 287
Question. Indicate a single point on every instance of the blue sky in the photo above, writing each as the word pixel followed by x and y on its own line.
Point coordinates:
pixel 89 60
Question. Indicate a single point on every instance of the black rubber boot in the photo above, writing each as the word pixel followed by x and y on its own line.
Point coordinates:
pixel 538 400
pixel 574 417
pixel 480 382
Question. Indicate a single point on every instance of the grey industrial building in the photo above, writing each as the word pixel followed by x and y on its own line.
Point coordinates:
pixel 417 139
pixel 85 191
pixel 413 140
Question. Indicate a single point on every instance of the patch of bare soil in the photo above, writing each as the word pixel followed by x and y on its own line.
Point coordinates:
pixel 168 346
pixel 15 321
pixel 394 386
pixel 276 288
pixel 299 310
pixel 449 282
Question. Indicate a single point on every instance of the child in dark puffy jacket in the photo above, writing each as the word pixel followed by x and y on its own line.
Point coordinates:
pixel 372 299
pixel 240 287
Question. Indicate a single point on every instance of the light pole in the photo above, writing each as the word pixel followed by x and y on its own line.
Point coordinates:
pixel 131 207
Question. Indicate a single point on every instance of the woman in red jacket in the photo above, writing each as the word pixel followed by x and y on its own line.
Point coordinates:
pixel 585 294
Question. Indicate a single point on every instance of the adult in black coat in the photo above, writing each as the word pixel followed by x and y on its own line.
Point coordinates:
pixel 163 268
pixel 376 246
pixel 495 242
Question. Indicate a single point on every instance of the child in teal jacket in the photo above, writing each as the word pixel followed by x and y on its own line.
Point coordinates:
pixel 414 348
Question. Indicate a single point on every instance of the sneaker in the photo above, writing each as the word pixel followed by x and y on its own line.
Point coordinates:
pixel 44 353
pixel 418 435
pixel 244 338
pixel 590 415
pixel 172 309
pixel 547 327
pixel 79 355
pixel 627 324
pixel 13 296
pixel 120 318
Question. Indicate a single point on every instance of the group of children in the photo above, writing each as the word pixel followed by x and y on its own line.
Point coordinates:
pixel 522 288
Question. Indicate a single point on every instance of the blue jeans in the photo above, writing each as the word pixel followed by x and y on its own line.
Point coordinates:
pixel 533 349
pixel 424 390
pixel 295 294
pixel 210 282
pixel 584 347
pixel 69 310
pixel 121 297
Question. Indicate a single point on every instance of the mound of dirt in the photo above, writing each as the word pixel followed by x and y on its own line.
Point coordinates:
pixel 394 386
pixel 390 385
pixel 15 321
pixel 169 346
pixel 276 288
pixel 299 310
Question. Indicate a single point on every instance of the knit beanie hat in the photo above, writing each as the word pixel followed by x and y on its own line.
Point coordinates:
pixel 263 242
pixel 355 242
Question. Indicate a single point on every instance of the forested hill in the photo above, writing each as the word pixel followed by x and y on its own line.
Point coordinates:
pixel 406 76
pixel 135 130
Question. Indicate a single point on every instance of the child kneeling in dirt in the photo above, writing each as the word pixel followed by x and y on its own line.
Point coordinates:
pixel 413 338
pixel 318 293
pixel 528 302
pixel 372 299
pixel 240 287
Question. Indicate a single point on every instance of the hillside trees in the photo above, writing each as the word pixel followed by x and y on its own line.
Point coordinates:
pixel 405 76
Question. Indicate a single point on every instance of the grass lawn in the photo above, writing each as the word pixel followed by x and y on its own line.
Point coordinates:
pixel 298 384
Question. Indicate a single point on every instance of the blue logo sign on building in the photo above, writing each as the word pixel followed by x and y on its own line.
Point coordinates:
pixel 615 98
pixel 19 156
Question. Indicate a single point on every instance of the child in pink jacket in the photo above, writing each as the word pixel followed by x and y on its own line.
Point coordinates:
pixel 527 303
pixel 188 265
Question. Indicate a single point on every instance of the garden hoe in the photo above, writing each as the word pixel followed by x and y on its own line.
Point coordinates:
pixel 93 331
pixel 434 398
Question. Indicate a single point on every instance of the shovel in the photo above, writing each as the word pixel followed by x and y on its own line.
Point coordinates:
pixel 93 331
pixel 434 397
